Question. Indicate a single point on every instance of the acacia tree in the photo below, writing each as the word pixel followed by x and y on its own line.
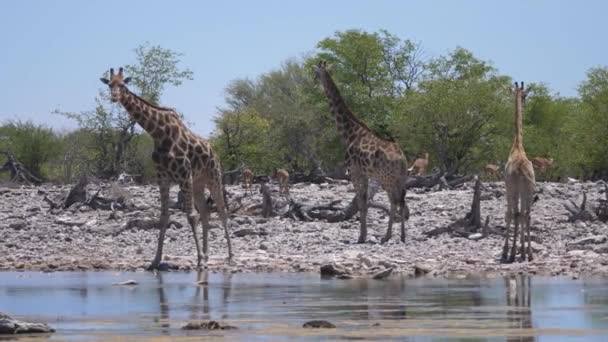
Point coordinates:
pixel 114 130
pixel 455 112
pixel 33 145
pixel 280 100
pixel 373 70
pixel 589 129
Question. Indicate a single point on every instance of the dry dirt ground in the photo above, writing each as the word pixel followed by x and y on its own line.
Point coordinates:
pixel 32 237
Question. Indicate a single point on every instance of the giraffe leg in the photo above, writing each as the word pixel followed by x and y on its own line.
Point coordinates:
pixel 505 248
pixel 522 233
pixel 362 201
pixel 405 215
pixel 163 222
pixel 528 219
pixel 389 229
pixel 515 231
pixel 203 211
pixel 217 193
pixel 187 189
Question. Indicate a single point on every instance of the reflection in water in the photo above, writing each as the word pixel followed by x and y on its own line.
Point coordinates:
pixel 199 306
pixel 519 314
pixel 202 281
pixel 274 306
pixel 162 304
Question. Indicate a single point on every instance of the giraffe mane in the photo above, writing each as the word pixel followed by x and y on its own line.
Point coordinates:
pixel 367 128
pixel 149 103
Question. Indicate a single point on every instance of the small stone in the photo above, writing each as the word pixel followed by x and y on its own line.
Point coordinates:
pixel 316 324
pixel 422 269
pixel 126 282
pixel 18 225
pixel 245 232
pixel 332 270
pixel 210 325
pixel 9 325
pixel 476 236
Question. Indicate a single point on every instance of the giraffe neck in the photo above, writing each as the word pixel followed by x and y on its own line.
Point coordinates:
pixel 152 119
pixel 346 122
pixel 518 141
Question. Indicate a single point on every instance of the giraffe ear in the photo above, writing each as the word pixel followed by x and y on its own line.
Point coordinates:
pixel 104 80
pixel 127 80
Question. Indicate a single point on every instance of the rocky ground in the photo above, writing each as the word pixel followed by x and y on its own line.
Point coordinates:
pixel 33 237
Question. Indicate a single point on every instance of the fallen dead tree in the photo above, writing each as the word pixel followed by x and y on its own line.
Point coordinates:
pixel 19 173
pixel 602 209
pixel 79 196
pixel 331 212
pixel 441 179
pixel 233 176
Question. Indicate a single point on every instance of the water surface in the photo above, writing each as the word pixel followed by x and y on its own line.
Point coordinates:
pixel 273 306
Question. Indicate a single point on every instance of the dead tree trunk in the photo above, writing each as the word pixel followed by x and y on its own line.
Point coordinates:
pixel 602 209
pixel 78 193
pixel 471 222
pixel 266 201
pixel 19 173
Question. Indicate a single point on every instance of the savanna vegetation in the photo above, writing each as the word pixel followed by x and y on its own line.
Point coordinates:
pixel 456 107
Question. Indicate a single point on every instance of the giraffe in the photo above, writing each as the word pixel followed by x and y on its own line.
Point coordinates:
pixel 420 165
pixel 248 180
pixel 282 177
pixel 367 156
pixel 181 157
pixel 521 186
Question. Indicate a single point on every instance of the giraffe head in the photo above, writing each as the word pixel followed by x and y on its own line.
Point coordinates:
pixel 117 83
pixel 520 93
pixel 319 69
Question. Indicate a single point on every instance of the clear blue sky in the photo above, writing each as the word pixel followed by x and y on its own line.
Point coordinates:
pixel 52 52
